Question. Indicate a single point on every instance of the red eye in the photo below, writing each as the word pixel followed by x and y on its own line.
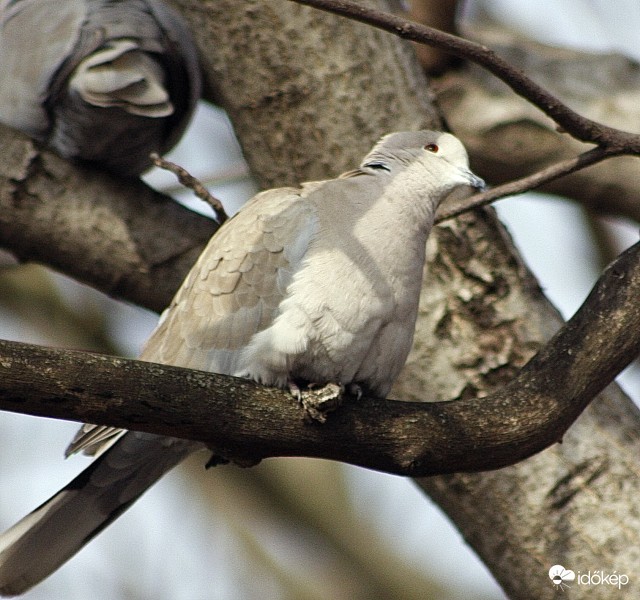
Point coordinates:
pixel 431 147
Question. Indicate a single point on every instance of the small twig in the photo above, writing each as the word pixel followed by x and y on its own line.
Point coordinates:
pixel 591 157
pixel 234 174
pixel 190 182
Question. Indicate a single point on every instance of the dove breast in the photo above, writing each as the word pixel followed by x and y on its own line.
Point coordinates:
pixel 237 285
pixel 295 286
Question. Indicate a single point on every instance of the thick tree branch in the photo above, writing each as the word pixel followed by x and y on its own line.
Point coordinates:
pixel 118 236
pixel 575 124
pixel 242 420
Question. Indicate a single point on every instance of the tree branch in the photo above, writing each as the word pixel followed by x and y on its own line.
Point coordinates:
pixel 481 314
pixel 530 182
pixel 578 126
pixel 611 141
pixel 119 236
pixel 507 138
pixel 441 15
pixel 248 422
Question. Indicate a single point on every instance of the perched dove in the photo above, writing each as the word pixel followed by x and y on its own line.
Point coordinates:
pixel 312 284
pixel 98 80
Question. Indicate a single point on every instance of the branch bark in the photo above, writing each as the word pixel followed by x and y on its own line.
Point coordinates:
pixel 246 422
pixel 577 125
pixel 506 137
pixel 119 236
pixel 281 85
pixel 449 209
pixel 441 15
pixel 298 86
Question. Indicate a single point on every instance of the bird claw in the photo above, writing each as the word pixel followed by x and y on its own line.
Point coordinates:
pixel 216 460
pixel 319 402
pixel 355 390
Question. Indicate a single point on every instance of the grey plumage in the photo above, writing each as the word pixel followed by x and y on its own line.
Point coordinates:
pixel 97 80
pixel 318 283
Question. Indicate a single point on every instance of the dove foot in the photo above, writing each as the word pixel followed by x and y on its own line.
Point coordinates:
pixel 355 390
pixel 319 402
pixel 240 461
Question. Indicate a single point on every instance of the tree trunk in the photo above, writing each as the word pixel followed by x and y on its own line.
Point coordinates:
pixel 308 93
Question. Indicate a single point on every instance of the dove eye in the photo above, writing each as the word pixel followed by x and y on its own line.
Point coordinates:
pixel 431 148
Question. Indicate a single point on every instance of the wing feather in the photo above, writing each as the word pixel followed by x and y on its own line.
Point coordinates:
pixel 236 287
pixel 232 293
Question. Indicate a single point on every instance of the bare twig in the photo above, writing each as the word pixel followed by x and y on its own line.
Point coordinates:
pixel 591 157
pixel 578 126
pixel 192 183
pixel 250 422
pixel 515 141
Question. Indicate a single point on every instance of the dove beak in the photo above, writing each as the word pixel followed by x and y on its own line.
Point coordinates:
pixel 475 181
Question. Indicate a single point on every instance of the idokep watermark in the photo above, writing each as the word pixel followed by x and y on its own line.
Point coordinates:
pixel 563 578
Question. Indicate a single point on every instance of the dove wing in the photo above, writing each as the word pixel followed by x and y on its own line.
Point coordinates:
pixel 233 292
pixel 87 74
pixel 236 287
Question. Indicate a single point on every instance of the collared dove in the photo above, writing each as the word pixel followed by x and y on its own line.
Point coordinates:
pixel 97 80
pixel 312 284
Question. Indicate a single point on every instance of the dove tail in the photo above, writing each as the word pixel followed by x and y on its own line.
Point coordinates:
pixel 49 536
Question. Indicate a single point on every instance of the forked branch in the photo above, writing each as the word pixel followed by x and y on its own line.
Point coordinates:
pixel 610 141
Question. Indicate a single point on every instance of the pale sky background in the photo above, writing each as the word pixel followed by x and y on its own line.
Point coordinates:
pixel 167 546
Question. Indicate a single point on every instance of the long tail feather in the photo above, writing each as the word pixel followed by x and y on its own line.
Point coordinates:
pixel 49 536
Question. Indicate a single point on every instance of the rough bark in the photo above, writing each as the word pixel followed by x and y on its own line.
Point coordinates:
pixel 117 235
pixel 307 92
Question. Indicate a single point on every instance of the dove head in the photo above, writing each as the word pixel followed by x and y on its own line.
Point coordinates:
pixel 438 158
